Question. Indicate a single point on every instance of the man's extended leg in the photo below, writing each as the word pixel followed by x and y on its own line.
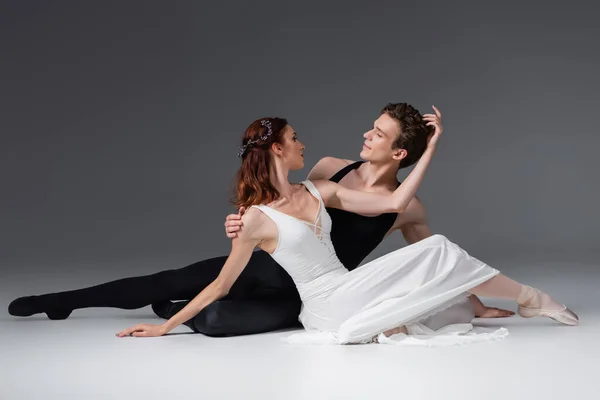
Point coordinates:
pixel 238 317
pixel 265 300
pixel 136 292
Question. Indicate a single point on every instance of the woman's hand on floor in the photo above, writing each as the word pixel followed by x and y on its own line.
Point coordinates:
pixel 143 330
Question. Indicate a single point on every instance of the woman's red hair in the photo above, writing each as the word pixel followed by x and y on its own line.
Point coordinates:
pixel 253 183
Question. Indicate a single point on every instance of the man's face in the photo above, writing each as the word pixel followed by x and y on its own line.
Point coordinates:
pixel 379 140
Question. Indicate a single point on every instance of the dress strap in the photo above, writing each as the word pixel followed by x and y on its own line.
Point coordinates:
pixel 271 213
pixel 316 225
pixel 313 190
pixel 344 171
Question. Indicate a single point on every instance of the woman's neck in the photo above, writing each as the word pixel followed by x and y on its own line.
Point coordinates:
pixel 279 180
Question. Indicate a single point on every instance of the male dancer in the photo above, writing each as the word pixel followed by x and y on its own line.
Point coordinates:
pixel 264 297
pixel 396 128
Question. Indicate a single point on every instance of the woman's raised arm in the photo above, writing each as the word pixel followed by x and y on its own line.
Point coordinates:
pixel 338 196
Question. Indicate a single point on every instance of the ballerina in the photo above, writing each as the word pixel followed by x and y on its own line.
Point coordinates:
pixel 391 295
pixel 264 297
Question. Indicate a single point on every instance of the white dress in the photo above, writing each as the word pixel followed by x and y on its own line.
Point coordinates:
pixel 413 286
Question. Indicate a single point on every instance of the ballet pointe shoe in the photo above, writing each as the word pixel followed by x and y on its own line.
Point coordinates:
pixel 562 315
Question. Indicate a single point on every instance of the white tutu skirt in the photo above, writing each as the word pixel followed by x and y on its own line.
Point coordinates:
pixel 450 326
pixel 424 287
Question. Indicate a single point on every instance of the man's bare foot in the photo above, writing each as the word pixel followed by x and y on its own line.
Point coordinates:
pixel 482 311
pixel 493 312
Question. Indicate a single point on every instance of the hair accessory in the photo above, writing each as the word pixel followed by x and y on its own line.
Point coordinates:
pixel 251 143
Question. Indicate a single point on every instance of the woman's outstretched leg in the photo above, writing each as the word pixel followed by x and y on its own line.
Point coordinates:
pixel 532 302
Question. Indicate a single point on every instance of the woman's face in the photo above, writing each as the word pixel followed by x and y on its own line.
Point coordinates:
pixel 291 149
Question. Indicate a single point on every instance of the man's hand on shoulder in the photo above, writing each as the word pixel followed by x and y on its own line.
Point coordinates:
pixel 233 223
pixel 326 167
pixel 253 222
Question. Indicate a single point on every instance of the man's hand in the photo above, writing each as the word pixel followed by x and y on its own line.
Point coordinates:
pixel 434 120
pixel 233 223
pixel 143 330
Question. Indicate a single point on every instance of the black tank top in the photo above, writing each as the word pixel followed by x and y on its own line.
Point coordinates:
pixel 355 236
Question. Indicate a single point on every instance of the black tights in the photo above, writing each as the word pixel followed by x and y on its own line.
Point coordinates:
pixel 262 299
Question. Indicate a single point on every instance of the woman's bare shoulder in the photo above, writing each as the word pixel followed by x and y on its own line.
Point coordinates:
pixel 327 189
pixel 253 217
pixel 256 224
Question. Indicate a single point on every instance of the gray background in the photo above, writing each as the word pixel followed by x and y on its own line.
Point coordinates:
pixel 120 121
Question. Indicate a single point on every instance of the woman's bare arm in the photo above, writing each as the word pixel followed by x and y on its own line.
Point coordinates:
pixel 241 251
pixel 338 196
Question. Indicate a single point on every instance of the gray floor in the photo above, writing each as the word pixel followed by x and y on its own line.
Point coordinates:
pixel 81 359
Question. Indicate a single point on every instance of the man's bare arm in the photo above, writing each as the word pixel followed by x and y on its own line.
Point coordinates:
pixel 416 228
pixel 414 225
pixel 415 232
pixel 326 167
